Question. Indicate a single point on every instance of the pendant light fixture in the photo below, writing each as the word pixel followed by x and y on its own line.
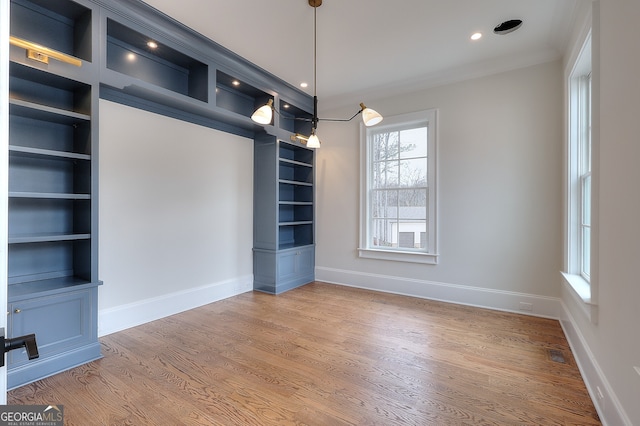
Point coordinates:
pixel 264 114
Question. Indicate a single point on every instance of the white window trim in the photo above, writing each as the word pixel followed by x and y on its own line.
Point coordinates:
pixel 431 257
pixel 581 290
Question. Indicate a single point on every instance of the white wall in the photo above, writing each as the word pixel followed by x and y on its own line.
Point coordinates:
pixel 609 348
pixel 500 209
pixel 176 216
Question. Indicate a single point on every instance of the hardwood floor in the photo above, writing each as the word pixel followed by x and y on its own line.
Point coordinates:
pixel 326 355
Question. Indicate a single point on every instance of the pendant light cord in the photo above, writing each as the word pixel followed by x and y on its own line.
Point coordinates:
pixel 315 50
pixel 315 60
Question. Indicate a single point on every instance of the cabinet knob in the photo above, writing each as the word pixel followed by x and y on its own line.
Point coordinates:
pixel 17 311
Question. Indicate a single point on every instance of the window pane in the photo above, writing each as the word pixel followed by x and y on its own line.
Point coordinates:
pixel 410 233
pixel 381 233
pixel 405 239
pixel 413 172
pixel 423 240
pixel 586 252
pixel 385 174
pixel 384 204
pixel 385 146
pixel 586 200
pixel 413 143
pixel 412 203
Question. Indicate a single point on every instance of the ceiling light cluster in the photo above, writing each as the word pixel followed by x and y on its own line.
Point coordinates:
pixel 504 28
pixel 264 114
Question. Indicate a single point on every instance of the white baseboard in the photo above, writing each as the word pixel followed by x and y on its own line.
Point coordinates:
pixel 542 306
pixel 607 404
pixel 122 317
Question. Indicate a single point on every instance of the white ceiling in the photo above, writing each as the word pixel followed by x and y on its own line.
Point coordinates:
pixel 368 49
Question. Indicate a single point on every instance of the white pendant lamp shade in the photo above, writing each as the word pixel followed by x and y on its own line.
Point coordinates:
pixel 264 114
pixel 369 116
pixel 313 141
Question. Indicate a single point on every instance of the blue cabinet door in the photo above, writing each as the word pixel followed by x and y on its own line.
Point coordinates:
pixel 65 327
pixel 60 322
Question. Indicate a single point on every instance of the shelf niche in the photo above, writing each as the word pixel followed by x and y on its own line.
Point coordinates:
pixel 294 119
pixel 128 53
pixel 60 25
pixel 41 93
pixel 237 96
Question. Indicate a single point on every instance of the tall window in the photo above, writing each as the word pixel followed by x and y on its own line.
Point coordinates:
pixel 578 239
pixel 398 189
pixel 584 174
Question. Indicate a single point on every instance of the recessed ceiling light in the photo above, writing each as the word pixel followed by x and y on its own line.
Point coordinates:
pixel 508 26
pixel 476 36
pixel 235 83
pixel 152 44
pixel 304 85
pixel 285 106
pixel 131 56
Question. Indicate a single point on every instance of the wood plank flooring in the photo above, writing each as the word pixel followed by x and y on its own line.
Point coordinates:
pixel 326 355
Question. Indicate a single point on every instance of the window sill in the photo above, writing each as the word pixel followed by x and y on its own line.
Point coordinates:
pixel 579 285
pixel 399 256
pixel 580 289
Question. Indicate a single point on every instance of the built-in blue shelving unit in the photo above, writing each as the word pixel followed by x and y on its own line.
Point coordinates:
pixel 53 157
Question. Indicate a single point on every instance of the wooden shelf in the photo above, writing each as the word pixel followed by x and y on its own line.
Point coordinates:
pixel 49 195
pixel 47 153
pixel 41 287
pixel 296 163
pixel 295 182
pixel 44 112
pixel 21 239
pixel 295 203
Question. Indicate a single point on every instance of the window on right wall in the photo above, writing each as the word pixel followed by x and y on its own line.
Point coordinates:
pixel 578 238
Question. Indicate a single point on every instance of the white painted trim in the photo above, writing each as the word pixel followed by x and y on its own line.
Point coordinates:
pixel 542 306
pixel 579 290
pixel 130 315
pixel 4 174
pixel 430 118
pixel 399 256
pixel 608 406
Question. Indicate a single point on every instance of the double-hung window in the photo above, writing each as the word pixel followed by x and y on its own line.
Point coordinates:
pixel 398 203
pixel 578 238
pixel 584 175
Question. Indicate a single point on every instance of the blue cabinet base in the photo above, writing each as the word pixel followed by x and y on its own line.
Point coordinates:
pixel 275 272
pixel 41 368
pixel 280 287
pixel 64 320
